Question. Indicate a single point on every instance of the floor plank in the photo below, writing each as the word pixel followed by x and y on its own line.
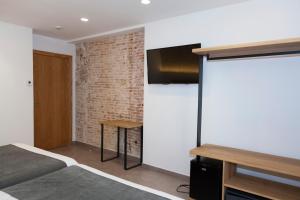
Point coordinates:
pixel 145 175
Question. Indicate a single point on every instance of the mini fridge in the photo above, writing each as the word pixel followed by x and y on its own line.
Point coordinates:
pixel 232 194
pixel 206 179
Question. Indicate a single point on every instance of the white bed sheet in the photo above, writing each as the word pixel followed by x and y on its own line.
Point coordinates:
pixel 69 161
pixel 4 196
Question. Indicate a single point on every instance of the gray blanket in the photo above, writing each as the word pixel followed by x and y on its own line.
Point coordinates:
pixel 75 183
pixel 18 165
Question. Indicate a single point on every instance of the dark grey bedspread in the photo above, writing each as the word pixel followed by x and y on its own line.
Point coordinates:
pixel 75 183
pixel 18 165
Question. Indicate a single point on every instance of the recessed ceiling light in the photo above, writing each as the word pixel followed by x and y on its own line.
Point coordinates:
pixel 145 2
pixel 58 27
pixel 83 19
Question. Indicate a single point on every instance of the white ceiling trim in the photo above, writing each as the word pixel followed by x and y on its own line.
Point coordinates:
pixel 113 32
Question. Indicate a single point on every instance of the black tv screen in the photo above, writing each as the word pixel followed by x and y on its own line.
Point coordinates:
pixel 173 65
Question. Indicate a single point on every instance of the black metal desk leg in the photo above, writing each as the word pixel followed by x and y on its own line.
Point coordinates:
pixel 125 149
pixel 102 147
pixel 142 145
pixel 102 143
pixel 118 147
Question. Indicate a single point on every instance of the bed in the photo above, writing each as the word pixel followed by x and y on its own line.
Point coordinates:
pixel 81 182
pixel 20 162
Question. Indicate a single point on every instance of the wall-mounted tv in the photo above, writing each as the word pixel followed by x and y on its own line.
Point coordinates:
pixel 173 65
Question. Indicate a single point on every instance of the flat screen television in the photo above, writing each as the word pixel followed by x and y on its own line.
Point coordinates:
pixel 173 65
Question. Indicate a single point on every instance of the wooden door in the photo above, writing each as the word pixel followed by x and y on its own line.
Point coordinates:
pixel 52 100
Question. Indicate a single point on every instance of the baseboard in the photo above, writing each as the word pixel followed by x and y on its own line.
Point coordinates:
pixel 134 157
pixel 165 171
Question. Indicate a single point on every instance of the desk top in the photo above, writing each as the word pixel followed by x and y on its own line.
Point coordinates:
pixel 122 123
pixel 282 165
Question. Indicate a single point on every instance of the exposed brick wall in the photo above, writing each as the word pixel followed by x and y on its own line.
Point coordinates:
pixel 110 85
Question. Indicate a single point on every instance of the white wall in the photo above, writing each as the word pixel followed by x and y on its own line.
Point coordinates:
pixel 250 104
pixel 16 100
pixel 53 45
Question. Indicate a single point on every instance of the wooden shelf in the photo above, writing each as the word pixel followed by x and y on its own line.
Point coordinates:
pixel 285 167
pixel 275 47
pixel 263 188
pixel 279 165
pixel 122 123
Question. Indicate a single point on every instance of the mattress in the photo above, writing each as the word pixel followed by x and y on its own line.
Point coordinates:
pixel 20 162
pixel 81 182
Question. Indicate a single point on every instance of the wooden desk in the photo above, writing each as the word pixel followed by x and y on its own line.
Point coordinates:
pixel 126 125
pixel 274 165
pixel 122 123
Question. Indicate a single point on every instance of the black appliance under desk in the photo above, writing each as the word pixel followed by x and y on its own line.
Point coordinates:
pixel 206 179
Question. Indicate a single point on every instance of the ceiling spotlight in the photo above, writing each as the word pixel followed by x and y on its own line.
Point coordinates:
pixel 58 27
pixel 83 19
pixel 145 2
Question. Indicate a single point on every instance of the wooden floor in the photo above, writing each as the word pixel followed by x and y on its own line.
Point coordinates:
pixel 145 175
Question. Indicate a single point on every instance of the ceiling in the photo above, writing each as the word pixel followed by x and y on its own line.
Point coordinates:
pixel 104 15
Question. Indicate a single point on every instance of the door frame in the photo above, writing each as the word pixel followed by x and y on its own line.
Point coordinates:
pixel 70 61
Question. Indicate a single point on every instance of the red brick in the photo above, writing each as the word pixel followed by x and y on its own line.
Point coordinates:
pixel 110 85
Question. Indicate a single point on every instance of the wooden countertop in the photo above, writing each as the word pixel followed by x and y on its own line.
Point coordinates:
pixel 276 164
pixel 122 123
pixel 255 48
